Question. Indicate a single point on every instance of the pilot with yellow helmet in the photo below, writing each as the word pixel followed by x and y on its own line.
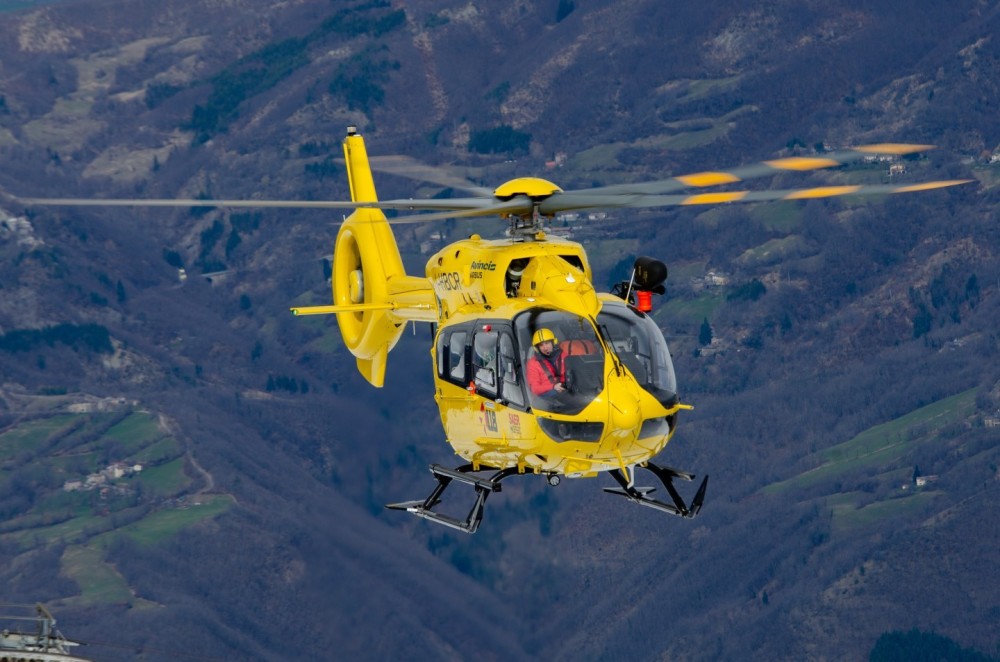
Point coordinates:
pixel 546 366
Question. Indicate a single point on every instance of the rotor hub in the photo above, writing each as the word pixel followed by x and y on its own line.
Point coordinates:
pixel 535 188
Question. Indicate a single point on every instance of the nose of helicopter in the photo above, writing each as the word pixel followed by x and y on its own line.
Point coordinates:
pixel 625 412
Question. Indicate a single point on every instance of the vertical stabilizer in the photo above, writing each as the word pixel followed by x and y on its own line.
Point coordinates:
pixel 359 173
pixel 372 295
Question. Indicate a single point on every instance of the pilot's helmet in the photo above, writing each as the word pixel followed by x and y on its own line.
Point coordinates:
pixel 542 335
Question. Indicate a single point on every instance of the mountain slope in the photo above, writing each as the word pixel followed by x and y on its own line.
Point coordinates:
pixel 869 312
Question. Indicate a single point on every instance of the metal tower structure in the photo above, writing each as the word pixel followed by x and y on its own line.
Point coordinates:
pixel 44 644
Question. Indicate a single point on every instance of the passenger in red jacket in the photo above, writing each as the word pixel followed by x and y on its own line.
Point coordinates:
pixel 546 366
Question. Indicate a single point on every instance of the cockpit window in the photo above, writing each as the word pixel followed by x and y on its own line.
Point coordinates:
pixel 563 360
pixel 641 347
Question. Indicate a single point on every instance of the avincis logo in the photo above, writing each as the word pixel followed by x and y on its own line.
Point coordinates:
pixel 485 266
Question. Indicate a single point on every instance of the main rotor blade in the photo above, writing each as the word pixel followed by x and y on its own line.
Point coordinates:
pixel 443 209
pixel 561 202
pixel 404 166
pixel 516 206
pixel 181 202
pixel 409 204
pixel 763 169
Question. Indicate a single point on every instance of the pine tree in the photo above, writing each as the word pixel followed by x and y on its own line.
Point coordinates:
pixel 705 334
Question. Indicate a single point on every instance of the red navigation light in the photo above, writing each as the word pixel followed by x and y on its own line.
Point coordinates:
pixel 644 300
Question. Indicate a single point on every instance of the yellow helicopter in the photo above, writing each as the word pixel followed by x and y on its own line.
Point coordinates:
pixel 535 372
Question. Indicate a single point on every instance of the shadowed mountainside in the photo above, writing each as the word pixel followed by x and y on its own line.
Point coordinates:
pixel 853 344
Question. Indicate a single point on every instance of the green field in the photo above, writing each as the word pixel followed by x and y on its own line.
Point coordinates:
pixel 166 479
pixel 880 453
pixel 779 216
pixel 78 529
pixel 847 516
pixel 137 428
pixel 934 416
pixel 167 522
pixel 684 135
pixel 682 272
pixel 774 250
pixel 330 342
pixel 881 457
pixel 877 448
pixel 28 436
pixel 691 311
pixel 147 506
pixel 158 451
pixel 99 582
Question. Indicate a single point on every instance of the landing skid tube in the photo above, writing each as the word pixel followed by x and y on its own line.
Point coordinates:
pixel 483 486
pixel 666 475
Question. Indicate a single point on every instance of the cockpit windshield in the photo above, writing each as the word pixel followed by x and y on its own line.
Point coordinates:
pixel 641 347
pixel 562 358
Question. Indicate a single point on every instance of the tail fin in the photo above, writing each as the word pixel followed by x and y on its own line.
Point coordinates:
pixel 373 297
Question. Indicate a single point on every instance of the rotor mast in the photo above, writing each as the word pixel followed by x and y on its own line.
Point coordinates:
pixel 533 191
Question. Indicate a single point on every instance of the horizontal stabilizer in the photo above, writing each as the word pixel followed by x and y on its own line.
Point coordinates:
pixel 350 308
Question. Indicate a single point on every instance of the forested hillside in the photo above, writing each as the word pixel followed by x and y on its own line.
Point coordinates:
pixel 185 467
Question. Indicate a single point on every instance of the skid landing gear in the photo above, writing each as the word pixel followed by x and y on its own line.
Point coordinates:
pixel 486 486
pixel 666 475
pixel 483 486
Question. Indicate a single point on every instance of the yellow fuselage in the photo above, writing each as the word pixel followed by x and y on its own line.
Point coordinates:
pixel 474 291
pixel 487 299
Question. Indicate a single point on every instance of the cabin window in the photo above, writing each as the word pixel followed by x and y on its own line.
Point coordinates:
pixel 484 362
pixel 485 356
pixel 510 371
pixel 451 357
pixel 456 365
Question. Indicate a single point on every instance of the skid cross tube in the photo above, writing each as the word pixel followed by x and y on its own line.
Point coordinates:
pixel 483 486
pixel 666 475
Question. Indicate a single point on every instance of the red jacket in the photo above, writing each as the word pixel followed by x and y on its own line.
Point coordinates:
pixel 544 372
